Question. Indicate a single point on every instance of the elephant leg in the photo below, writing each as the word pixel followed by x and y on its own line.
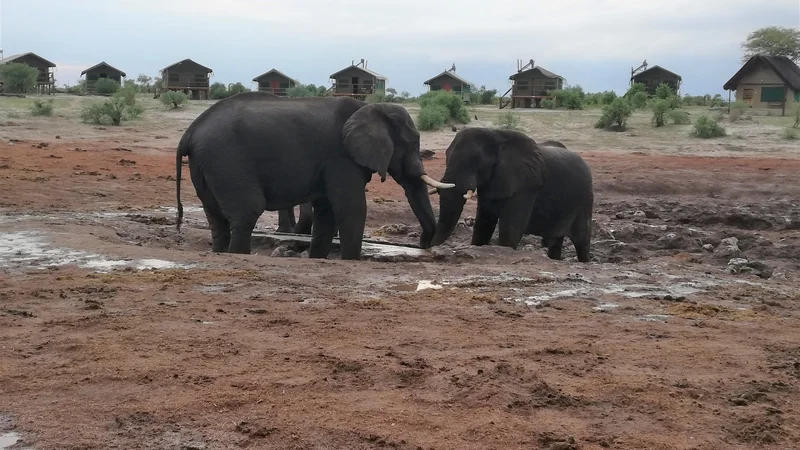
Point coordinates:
pixel 581 236
pixel 514 219
pixel 485 223
pixel 220 231
pixel 345 185
pixel 322 232
pixel 305 220
pixel 286 222
pixel 554 246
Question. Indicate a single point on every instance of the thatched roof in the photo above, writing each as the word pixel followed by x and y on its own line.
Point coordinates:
pixel 187 60
pixel 546 73
pixel 277 72
pixel 656 67
pixel 353 66
pixel 101 64
pixel 449 74
pixel 783 66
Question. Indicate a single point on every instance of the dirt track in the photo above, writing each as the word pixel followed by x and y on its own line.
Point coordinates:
pixel 118 332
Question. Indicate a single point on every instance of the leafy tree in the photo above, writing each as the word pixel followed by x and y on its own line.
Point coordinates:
pixel 174 99
pixel 106 86
pixel 392 91
pixel 131 84
pixel 776 41
pixel 18 78
pixel 237 88
pixel 218 91
pixel 144 81
pixel 638 100
pixel 635 87
pixel 158 83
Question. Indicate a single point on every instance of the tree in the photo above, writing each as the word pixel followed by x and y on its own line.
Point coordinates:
pixel 144 81
pixel 18 78
pixel 392 91
pixel 775 41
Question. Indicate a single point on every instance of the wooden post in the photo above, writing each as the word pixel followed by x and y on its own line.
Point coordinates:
pixel 729 101
pixel 783 102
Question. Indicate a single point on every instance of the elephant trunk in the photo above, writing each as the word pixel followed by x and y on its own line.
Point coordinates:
pixel 450 207
pixel 417 195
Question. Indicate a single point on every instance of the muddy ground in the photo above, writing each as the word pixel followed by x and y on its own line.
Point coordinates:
pixel 119 332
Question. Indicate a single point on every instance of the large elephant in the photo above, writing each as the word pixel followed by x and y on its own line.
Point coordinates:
pixel 540 189
pixel 252 152
pixel 288 224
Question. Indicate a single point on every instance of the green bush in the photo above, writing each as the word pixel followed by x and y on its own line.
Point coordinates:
pixel 663 91
pixel 109 112
pixel 635 88
pixel 789 134
pixel 615 115
pixel 238 88
pixel 548 103
pixel 432 117
pixel 678 117
pixel 378 97
pixel 660 108
pixel 606 97
pixel 638 100
pixel 507 121
pixel 453 103
pixel 705 127
pixel 18 78
pixel 739 105
pixel 42 108
pixel 106 86
pixel 570 98
pixel 218 91
pixel 174 99
pixel 128 95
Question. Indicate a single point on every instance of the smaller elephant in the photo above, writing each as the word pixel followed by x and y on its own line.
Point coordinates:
pixel 529 188
pixel 287 223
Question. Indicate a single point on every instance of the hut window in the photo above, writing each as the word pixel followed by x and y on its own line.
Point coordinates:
pixel 772 94
pixel 797 96
pixel 284 85
pixel 199 78
pixel 343 82
pixel 103 75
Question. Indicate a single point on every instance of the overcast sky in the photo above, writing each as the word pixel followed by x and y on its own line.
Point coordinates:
pixel 593 43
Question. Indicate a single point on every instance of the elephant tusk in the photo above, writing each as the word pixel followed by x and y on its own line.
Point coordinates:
pixel 470 193
pixel 437 184
pixel 432 191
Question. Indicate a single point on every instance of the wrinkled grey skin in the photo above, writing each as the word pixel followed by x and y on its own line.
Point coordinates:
pixel 528 188
pixel 254 152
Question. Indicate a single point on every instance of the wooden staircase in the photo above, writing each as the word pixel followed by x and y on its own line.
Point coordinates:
pixel 505 103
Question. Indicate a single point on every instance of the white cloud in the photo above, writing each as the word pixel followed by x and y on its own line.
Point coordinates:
pixel 502 30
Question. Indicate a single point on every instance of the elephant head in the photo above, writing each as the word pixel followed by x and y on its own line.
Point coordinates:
pixel 492 164
pixel 383 138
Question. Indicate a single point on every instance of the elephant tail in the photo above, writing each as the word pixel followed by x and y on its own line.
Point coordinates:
pixel 183 150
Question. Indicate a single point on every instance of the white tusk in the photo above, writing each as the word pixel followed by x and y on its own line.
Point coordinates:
pixel 432 191
pixel 437 184
pixel 470 193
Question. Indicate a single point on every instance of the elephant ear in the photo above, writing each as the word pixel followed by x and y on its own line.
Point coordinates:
pixel 518 167
pixel 368 139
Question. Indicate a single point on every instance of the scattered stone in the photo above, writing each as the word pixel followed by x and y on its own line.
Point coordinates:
pixel 255 311
pixel 283 251
pixel 708 247
pixel 469 221
pixel 58 137
pixel 728 247
pixel 744 266
pixel 640 214
pixel 120 149
pixel 671 241
pixel 393 229
pixel 126 162
pixel 161 137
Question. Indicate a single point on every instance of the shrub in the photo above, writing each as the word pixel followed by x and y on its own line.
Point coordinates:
pixel 796 118
pixel 660 108
pixel 663 91
pixel 109 112
pixel 570 98
pixel 378 97
pixel 128 95
pixel 453 103
pixel 739 105
pixel 18 78
pixel 174 99
pixel 705 127
pixel 42 108
pixel 606 97
pixel 634 89
pixel 789 134
pixel 237 88
pixel 615 115
pixel 638 100
pixel 432 117
pixel 218 91
pixel 507 121
pixel 548 103
pixel 678 117
pixel 488 96
pixel 106 86
pixel 306 90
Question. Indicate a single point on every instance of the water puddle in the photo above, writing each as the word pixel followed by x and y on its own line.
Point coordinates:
pixel 29 249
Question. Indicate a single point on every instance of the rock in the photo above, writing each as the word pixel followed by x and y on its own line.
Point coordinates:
pixel 528 248
pixel 708 247
pixel 743 266
pixel 779 275
pixel 728 247
pixel 600 232
pixel 469 221
pixel 58 137
pixel 283 251
pixel 395 229
pixel 427 154
pixel 640 214
pixel 671 241
pixel 652 214
pixel 413 235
